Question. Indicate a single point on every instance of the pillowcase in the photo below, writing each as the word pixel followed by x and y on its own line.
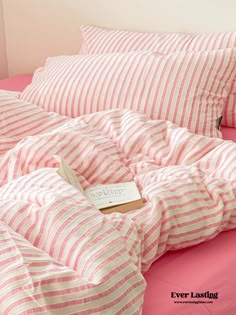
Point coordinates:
pixel 189 89
pixel 96 40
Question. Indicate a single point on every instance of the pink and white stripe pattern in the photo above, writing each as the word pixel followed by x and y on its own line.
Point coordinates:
pixel 13 128
pixel 96 40
pixel 60 255
pixel 189 89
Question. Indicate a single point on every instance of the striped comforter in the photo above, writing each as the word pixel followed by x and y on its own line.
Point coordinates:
pixel 58 254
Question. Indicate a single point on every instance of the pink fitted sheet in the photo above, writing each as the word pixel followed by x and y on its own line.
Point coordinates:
pixel 16 83
pixel 229 133
pixel 208 268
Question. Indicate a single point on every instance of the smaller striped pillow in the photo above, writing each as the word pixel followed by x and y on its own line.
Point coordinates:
pixel 187 88
pixel 97 40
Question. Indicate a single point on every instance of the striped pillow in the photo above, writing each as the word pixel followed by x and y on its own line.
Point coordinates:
pixel 189 89
pixel 96 40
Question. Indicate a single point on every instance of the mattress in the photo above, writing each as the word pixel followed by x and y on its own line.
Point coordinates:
pixel 196 280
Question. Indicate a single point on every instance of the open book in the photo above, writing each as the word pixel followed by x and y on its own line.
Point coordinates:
pixel 118 197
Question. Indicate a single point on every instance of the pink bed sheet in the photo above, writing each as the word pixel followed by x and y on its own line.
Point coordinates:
pixel 16 83
pixel 206 272
pixel 229 133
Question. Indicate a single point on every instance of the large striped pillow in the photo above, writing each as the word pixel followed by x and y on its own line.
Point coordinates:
pixel 96 40
pixel 189 89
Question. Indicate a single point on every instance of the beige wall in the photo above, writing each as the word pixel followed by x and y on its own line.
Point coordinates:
pixel 3 56
pixel 36 29
pixel 163 15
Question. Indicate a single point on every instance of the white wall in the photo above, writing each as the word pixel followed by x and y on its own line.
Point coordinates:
pixel 163 15
pixel 36 29
pixel 3 56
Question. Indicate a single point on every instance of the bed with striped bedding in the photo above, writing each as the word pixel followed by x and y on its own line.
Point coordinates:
pixel 59 254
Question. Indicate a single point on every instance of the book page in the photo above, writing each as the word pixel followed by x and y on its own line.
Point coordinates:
pixel 118 197
pixel 67 173
pixel 104 196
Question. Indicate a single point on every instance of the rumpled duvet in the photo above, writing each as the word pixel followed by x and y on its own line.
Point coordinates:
pixel 59 254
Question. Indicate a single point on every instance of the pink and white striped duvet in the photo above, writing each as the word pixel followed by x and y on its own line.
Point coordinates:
pixel 60 255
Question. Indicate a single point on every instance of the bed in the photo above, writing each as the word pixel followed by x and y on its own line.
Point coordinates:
pixel 198 279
